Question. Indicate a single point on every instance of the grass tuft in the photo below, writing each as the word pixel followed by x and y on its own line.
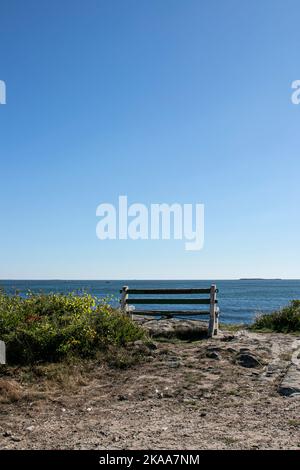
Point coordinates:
pixel 10 391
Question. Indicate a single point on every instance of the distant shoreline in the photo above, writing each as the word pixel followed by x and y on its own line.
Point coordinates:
pixel 148 280
pixel 260 279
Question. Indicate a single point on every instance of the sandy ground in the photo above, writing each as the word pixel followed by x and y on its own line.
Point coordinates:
pixel 187 395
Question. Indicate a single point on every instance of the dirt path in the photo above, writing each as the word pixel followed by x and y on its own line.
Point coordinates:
pixel 209 394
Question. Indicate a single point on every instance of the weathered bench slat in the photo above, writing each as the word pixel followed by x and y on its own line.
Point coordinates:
pixel 167 291
pixel 168 301
pixel 170 312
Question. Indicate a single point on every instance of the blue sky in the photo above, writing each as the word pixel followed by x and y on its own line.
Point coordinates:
pixel 163 101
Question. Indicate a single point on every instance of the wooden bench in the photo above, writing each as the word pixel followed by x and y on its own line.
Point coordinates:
pixel 128 303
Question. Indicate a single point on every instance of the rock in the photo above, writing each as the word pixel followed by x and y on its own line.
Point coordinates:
pixel 174 365
pixel 158 393
pixel 144 347
pixel 174 362
pixel 138 343
pixel 213 355
pixel 152 346
pixel 231 350
pixel 30 428
pixel 212 352
pixel 255 373
pixel 247 359
pixel 213 348
pixel 290 384
pixel 15 438
pixel 228 338
pixel 173 328
pixel 7 434
pixel 122 397
pixel 244 350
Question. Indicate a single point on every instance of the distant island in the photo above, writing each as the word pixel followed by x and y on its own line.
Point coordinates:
pixel 259 279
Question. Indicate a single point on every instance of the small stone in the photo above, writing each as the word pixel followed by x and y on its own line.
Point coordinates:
pixel 247 359
pixel 231 350
pixel 30 428
pixel 213 355
pixel 203 414
pixel 174 364
pixel 158 393
pixel 227 338
pixel 7 434
pixel 122 397
pixel 151 345
pixel 138 343
pixel 213 348
pixel 15 438
pixel 244 350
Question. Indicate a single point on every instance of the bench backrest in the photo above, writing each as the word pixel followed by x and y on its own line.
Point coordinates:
pixel 209 301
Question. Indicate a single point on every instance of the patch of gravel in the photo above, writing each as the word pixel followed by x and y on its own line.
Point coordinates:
pixel 218 393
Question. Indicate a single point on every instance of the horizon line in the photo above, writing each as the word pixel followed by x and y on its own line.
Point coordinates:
pixel 157 279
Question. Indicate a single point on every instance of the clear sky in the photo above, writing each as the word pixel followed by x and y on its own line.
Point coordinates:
pixel 160 100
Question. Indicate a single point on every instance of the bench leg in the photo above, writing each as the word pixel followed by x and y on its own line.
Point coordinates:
pixel 124 300
pixel 213 323
pixel 217 323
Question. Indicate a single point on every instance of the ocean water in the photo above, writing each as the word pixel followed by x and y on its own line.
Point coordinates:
pixel 239 300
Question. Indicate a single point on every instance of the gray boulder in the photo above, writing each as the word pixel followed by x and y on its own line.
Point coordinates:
pixel 248 359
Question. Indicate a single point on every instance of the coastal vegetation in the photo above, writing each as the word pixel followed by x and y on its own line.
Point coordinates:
pixel 51 327
pixel 285 320
pixel 42 327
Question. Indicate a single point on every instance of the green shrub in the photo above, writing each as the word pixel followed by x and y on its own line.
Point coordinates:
pixel 49 327
pixel 286 320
